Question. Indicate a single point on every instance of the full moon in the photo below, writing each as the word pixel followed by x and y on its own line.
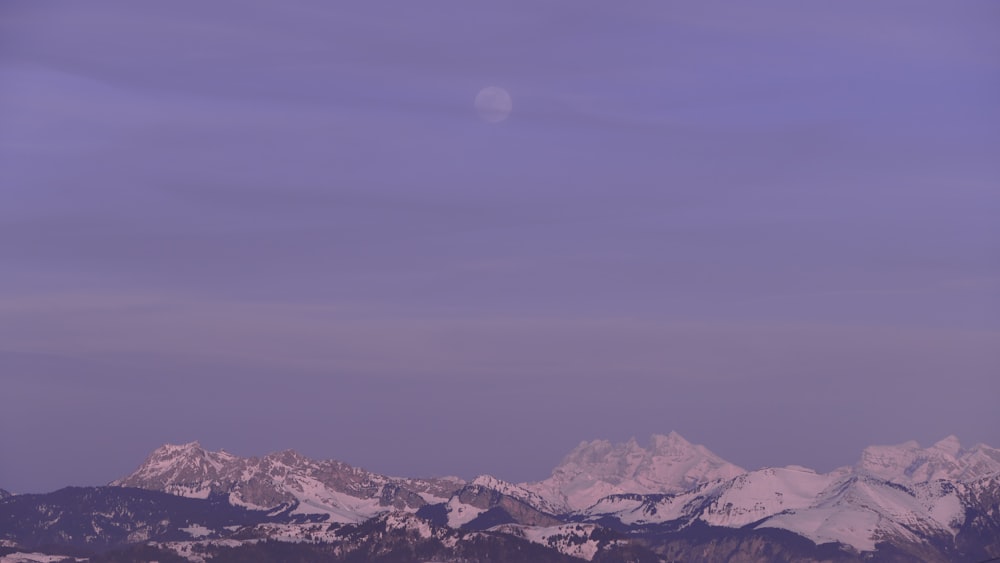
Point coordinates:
pixel 493 104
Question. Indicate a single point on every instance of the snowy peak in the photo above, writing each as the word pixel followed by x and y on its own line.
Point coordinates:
pixel 671 444
pixel 904 494
pixel 185 470
pixel 518 492
pixel 946 459
pixel 980 461
pixel 949 446
pixel 853 509
pixel 735 502
pixel 331 489
pixel 860 510
pixel 762 493
pixel 670 464
pixel 491 482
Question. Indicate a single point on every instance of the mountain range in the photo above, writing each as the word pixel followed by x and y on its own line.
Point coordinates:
pixel 667 500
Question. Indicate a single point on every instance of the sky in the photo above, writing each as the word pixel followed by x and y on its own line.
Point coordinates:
pixel 771 227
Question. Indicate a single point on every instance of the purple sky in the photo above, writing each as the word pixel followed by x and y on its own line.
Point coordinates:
pixel 773 228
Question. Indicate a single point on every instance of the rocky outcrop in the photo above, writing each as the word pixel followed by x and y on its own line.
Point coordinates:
pixel 499 508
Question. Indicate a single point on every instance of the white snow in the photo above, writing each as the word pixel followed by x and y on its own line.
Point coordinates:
pixel 618 506
pixel 948 511
pixel 197 531
pixel 518 492
pixel 347 494
pixel 236 500
pixel 191 550
pixel 460 514
pixel 25 557
pixel 599 468
pixel 759 494
pixel 823 525
pixel 946 459
pixel 892 490
pixel 856 510
pixel 316 498
pixel 408 522
pixel 565 538
pixel 431 499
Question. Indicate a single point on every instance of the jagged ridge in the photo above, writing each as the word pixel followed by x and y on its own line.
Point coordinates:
pixel 900 495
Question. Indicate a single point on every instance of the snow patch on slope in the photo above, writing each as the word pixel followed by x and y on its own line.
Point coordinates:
pixel 460 513
pixel 759 494
pixel 859 510
pixel 575 540
pixel 518 492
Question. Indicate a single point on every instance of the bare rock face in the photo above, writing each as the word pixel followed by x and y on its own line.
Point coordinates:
pixel 484 499
pixel 981 499
pixel 185 470
pixel 399 498
pixel 345 492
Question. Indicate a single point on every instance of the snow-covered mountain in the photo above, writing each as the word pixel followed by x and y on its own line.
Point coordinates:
pixel 946 459
pixel 487 501
pixel 334 488
pixel 904 493
pixel 670 464
pixel 735 502
pixel 850 508
pixel 678 500
pixel 901 491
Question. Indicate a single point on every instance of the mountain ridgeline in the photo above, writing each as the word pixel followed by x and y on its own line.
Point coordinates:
pixel 668 500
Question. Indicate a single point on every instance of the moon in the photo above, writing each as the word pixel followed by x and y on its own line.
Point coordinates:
pixel 493 104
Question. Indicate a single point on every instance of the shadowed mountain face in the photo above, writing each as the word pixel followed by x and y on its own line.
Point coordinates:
pixel 670 499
